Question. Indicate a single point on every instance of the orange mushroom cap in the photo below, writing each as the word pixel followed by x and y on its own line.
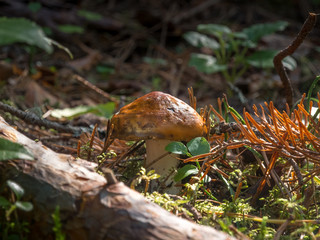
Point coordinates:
pixel 158 115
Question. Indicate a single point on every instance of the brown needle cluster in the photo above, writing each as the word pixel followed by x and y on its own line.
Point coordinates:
pixel 293 137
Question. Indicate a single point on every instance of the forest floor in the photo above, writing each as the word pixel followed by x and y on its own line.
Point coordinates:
pixel 123 50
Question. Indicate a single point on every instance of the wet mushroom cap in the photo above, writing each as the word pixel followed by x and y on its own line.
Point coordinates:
pixel 158 115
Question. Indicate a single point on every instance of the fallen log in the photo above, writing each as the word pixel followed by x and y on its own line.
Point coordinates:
pixel 91 207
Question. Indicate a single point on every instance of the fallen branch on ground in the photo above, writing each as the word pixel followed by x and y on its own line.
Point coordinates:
pixel 90 206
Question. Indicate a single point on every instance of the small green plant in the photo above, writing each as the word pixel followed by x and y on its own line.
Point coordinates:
pixel 11 227
pixel 263 232
pixel 233 52
pixel 235 212
pixel 195 147
pixel 224 224
pixel 291 208
pixel 131 170
pixel 207 209
pixel 307 230
pixel 235 177
pixel 239 206
pixel 57 228
pixel 104 156
pixel 143 175
pixel 172 205
pixel 85 150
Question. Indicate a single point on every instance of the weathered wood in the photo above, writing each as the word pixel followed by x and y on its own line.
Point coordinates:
pixel 90 208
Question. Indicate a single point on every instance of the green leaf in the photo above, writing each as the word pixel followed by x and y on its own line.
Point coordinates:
pixel 255 152
pixel 238 115
pixel 34 6
pixel 264 59
pixel 92 16
pixel 317 180
pixel 240 35
pixel 289 63
pixel 226 182
pixel 198 145
pixel 214 29
pixel 61 47
pixel 207 179
pixel 257 31
pixel 4 202
pixel 177 148
pixel 205 63
pixel 102 69
pixel 200 40
pixel 185 171
pixel 68 28
pixel 25 206
pixel 20 30
pixel 16 188
pixel 155 61
pixel 10 150
pixel 70 112
pixel 311 89
pixel 104 110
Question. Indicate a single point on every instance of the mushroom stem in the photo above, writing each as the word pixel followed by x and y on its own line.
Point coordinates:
pixel 165 164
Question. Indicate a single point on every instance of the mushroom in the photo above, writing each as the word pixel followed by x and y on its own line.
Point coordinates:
pixel 158 118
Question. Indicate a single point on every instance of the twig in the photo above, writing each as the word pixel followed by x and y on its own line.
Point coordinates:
pixel 281 229
pixel 194 10
pixel 33 119
pixel 196 214
pixel 95 88
pixel 108 140
pixel 239 235
pixel 296 170
pixel 91 141
pixel 193 99
pixel 277 60
pixel 78 148
pixel 134 147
